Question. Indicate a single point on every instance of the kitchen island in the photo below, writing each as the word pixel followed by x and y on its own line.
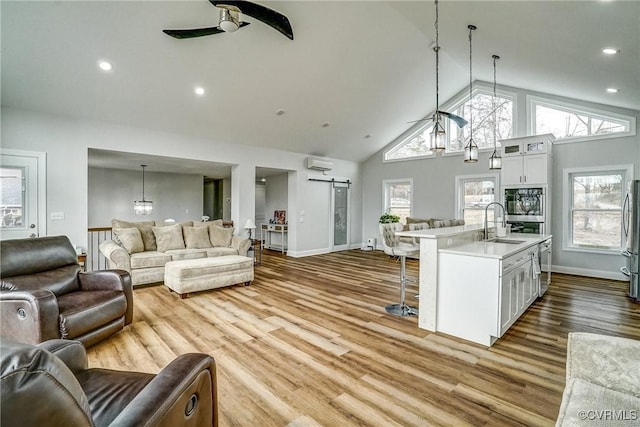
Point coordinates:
pixel 475 289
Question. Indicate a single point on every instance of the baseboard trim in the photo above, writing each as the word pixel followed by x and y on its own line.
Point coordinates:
pixel 600 274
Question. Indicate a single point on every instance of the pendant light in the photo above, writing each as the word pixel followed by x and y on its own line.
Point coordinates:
pixel 143 207
pixel 495 161
pixel 438 135
pixel 471 149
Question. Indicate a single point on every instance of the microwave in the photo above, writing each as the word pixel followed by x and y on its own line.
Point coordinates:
pixel 525 204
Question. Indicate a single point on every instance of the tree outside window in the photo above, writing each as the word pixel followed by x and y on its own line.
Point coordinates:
pixel 596 214
pixel 484 122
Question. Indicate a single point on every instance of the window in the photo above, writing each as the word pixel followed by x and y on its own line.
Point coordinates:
pixel 398 197
pixel 595 198
pixel 571 122
pixel 12 195
pixel 415 143
pixel 483 121
pixel 414 146
pixel 474 193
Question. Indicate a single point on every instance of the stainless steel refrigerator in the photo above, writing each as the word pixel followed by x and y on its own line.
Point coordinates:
pixel 631 230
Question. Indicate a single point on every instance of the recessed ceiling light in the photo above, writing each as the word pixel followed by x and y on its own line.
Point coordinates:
pixel 105 65
pixel 612 90
pixel 279 112
pixel 198 90
pixel 264 180
pixel 367 136
pixel 610 51
pixel 325 125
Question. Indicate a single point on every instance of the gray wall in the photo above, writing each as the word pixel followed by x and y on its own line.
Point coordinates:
pixel 112 192
pixel 434 185
pixel 68 140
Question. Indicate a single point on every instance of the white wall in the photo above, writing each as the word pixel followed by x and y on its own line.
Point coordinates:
pixel 112 192
pixel 434 186
pixel 67 141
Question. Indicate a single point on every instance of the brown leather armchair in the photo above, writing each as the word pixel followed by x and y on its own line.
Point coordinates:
pixel 50 385
pixel 45 295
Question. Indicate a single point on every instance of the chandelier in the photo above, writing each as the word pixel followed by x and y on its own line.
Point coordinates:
pixel 143 207
pixel 471 149
pixel 495 161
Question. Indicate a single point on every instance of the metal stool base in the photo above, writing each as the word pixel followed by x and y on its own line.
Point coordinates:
pixel 401 310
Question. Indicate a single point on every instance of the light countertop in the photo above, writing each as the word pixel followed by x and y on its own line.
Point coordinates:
pixel 488 249
pixel 434 233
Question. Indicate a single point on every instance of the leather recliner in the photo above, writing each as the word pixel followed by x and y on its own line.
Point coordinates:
pixel 45 295
pixel 50 385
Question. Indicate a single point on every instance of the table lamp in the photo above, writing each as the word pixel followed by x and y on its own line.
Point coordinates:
pixel 250 225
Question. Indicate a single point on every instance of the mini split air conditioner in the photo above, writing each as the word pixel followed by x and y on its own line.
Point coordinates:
pixel 319 164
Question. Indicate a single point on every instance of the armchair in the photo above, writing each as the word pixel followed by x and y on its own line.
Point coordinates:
pixel 45 295
pixel 50 385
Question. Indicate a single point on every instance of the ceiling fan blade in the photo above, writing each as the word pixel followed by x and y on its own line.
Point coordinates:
pixel 457 119
pixel 270 17
pixel 197 32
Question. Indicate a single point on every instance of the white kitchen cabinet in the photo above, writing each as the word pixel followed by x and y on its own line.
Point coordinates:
pixel 480 297
pixel 526 161
pixel 530 169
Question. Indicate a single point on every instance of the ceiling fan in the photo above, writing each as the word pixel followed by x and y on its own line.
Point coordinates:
pixel 230 11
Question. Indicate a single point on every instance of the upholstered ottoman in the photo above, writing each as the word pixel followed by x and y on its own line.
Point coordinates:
pixel 192 275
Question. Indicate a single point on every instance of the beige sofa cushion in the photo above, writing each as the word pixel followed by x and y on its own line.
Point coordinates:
pixel 217 222
pixel 148 238
pixel 149 259
pixel 220 251
pixel 169 237
pixel 180 254
pixel 220 236
pixel 130 239
pixel 196 237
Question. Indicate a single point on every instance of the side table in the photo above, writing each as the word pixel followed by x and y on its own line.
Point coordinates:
pixel 256 247
pixel 82 260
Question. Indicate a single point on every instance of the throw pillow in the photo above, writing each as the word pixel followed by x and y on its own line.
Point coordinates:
pixel 169 237
pixel 148 238
pixel 130 239
pixel 220 236
pixel 217 222
pixel 196 237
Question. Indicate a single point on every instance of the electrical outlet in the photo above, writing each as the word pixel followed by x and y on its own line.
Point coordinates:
pixel 57 216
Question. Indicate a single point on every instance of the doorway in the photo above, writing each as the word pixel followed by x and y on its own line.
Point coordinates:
pixel 213 198
pixel 340 217
pixel 22 186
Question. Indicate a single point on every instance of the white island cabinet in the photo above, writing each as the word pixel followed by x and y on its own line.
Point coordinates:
pixel 485 287
pixel 475 289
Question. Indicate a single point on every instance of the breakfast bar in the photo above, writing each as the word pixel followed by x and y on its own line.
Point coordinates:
pixel 472 288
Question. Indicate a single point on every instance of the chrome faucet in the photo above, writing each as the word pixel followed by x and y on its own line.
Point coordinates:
pixel 486 225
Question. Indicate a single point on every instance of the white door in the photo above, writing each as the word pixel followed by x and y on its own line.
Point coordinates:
pixel 22 206
pixel 339 217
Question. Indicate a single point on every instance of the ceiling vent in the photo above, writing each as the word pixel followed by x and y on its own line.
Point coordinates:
pixel 319 164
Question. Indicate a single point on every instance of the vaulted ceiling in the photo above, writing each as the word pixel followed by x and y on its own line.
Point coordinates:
pixel 362 67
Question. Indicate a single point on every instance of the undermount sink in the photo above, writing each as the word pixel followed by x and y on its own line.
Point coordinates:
pixel 508 241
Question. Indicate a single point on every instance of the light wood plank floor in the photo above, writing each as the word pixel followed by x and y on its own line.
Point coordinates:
pixel 309 343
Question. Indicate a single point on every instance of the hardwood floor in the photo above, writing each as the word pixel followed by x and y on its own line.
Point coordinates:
pixel 309 343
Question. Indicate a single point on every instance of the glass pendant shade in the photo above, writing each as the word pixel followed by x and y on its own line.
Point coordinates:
pixel 143 207
pixel 438 137
pixel 471 152
pixel 495 161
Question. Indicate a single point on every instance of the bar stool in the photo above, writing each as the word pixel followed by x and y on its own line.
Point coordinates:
pixel 394 247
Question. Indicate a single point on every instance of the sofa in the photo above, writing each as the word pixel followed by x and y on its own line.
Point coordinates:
pixel 50 384
pixel 143 248
pixel 44 294
pixel 603 381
